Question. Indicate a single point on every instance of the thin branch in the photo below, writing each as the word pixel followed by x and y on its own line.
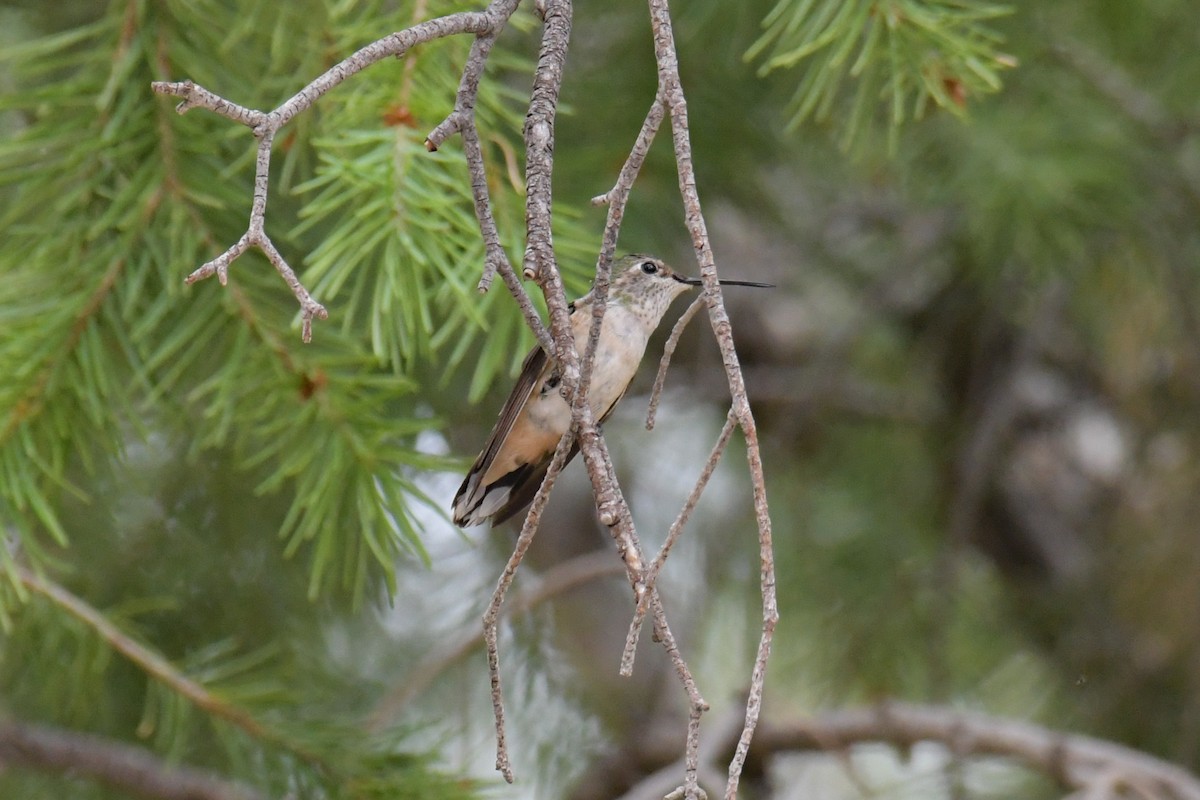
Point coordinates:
pixel 113 764
pixel 685 513
pixel 671 92
pixel 539 138
pixel 462 121
pixel 556 581
pixel 492 615
pixel 1075 760
pixel 659 784
pixel 266 124
pixel 619 193
pixel 660 377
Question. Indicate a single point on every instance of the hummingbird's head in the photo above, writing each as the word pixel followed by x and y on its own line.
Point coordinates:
pixel 647 282
pixel 647 285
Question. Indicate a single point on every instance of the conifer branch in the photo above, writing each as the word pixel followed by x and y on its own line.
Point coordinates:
pixel 146 659
pixel 34 398
pixel 154 664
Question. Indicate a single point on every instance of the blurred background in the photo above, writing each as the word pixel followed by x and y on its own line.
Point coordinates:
pixel 975 387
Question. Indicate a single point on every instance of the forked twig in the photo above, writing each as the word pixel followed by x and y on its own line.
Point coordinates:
pixel 557 580
pixel 685 513
pixel 265 125
pixel 671 92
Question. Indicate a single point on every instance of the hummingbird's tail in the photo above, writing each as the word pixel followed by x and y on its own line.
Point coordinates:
pixel 475 504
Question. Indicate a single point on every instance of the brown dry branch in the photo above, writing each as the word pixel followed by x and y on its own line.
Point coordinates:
pixel 539 137
pixel 462 121
pixel 119 766
pixel 265 124
pixel 492 616
pixel 1085 766
pixel 610 503
pixel 671 93
pixel 685 513
pixel 660 379
pixel 1077 762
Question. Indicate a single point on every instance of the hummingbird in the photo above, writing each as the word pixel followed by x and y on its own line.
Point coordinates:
pixel 509 470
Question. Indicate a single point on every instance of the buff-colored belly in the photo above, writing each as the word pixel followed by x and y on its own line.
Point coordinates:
pixel 547 416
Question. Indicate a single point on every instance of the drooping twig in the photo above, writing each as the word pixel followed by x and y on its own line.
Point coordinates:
pixel 616 198
pixel 462 121
pixel 539 262
pixel 119 766
pixel 265 125
pixel 671 92
pixel 633 163
pixel 660 379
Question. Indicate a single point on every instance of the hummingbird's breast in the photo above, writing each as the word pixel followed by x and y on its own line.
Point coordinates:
pixel 546 415
pixel 623 338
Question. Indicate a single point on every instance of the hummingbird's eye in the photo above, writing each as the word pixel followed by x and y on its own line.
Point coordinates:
pixel 649 267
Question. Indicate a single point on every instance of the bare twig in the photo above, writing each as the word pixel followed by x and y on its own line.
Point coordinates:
pixel 539 262
pixel 671 93
pixel 716 747
pixel 462 121
pixel 677 526
pixel 266 124
pixel 492 615
pixel 619 193
pixel 539 137
pixel 660 378
pixel 116 765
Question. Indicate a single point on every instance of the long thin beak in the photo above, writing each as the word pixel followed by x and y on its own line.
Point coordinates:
pixel 698 282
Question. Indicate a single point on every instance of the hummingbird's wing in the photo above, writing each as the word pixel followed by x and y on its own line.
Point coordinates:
pixel 509 471
pixel 475 500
